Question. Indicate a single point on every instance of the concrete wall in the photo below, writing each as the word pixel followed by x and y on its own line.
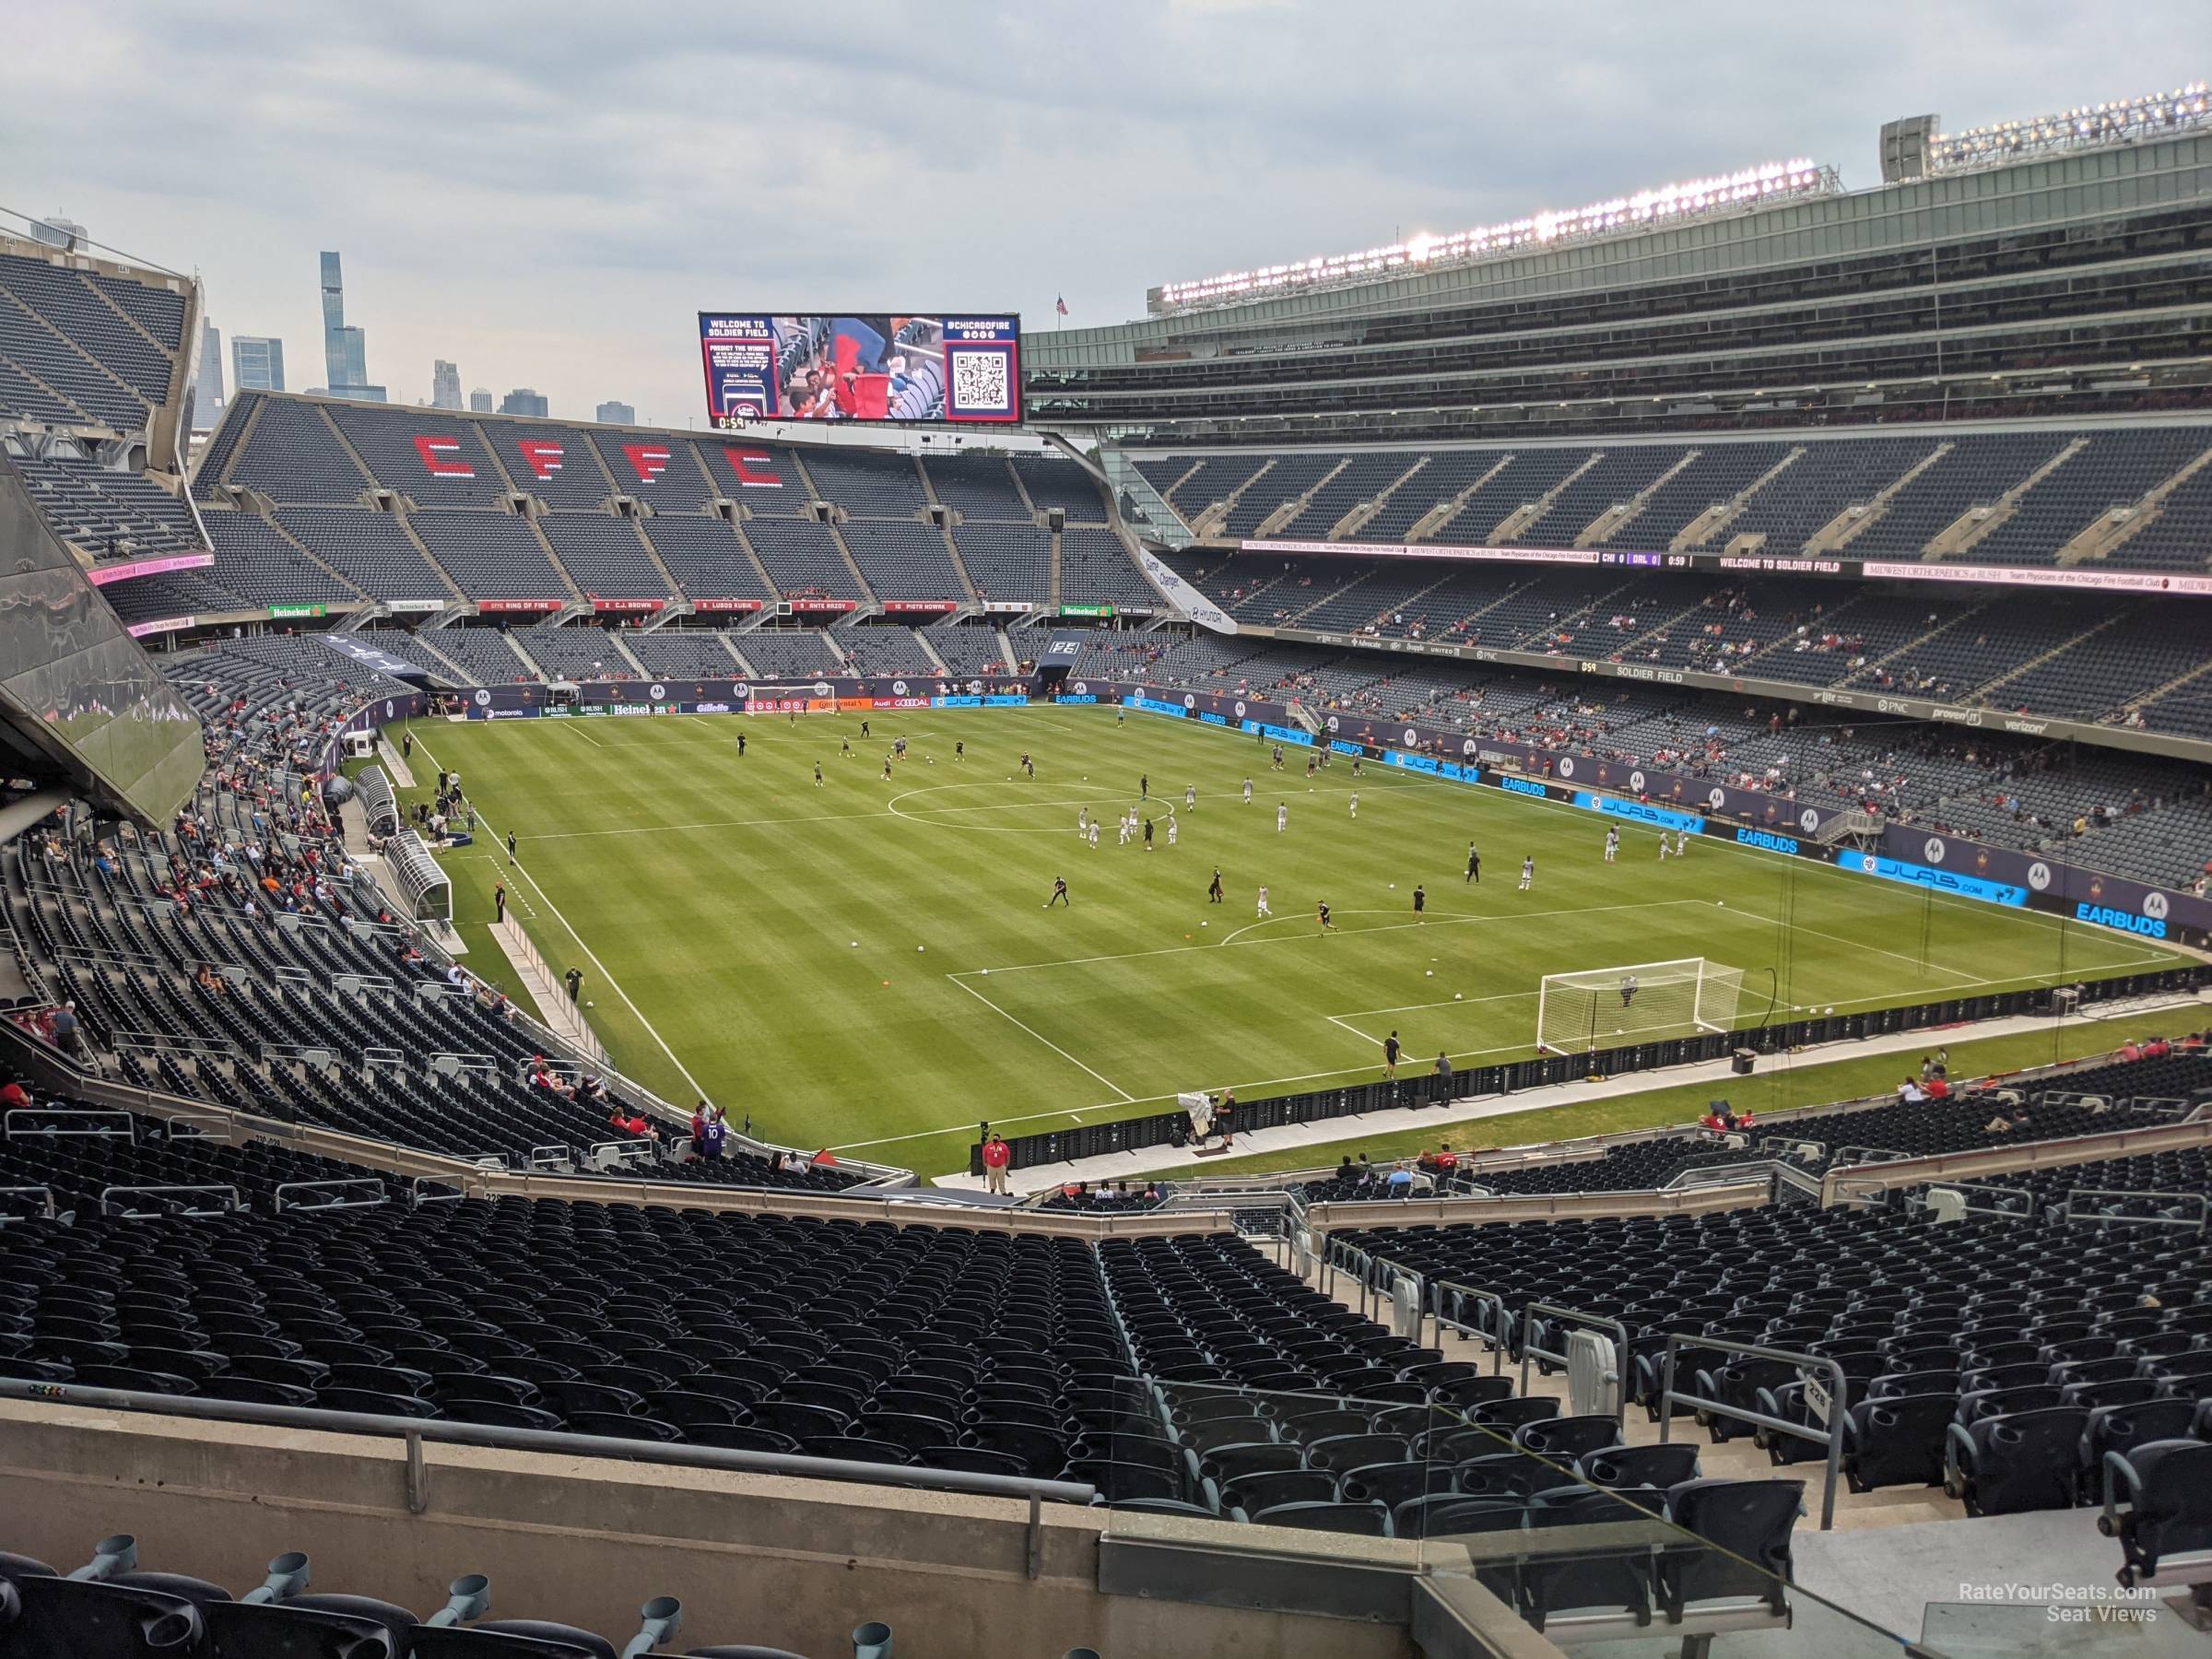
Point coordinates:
pixel 783 1562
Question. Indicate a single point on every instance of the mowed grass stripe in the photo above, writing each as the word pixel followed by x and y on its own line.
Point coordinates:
pixel 724 894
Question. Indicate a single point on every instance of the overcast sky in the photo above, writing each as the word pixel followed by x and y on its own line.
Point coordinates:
pixel 546 194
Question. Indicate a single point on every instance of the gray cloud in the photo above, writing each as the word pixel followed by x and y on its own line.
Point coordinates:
pixel 546 195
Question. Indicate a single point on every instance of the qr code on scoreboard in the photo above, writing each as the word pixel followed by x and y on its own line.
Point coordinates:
pixel 981 383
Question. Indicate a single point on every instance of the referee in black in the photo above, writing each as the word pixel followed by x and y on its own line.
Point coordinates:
pixel 1474 864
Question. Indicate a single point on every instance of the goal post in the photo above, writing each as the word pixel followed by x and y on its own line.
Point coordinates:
pixel 1579 1013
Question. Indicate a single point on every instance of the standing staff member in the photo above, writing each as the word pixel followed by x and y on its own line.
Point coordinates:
pixel 998 1155
pixel 1474 864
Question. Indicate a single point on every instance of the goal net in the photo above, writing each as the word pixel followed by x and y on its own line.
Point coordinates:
pixel 1576 1013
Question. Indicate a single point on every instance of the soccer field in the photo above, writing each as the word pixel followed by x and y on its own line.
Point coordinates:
pixel 870 964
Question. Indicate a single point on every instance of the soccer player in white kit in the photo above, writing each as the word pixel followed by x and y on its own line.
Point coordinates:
pixel 1094 834
pixel 1125 842
pixel 1282 817
pixel 1190 797
pixel 1264 912
pixel 1612 844
pixel 1354 802
pixel 1170 828
pixel 1082 821
pixel 1528 872
pixel 1665 851
pixel 1247 792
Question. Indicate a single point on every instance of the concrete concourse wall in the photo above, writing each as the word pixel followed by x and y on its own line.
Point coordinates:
pixel 766 1560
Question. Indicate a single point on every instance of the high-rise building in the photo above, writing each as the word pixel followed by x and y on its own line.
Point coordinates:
pixel 479 401
pixel 208 391
pixel 612 413
pixel 523 401
pixel 257 364
pixel 57 233
pixel 344 348
pixel 445 385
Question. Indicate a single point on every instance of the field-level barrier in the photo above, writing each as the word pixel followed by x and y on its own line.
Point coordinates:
pixel 1275 1111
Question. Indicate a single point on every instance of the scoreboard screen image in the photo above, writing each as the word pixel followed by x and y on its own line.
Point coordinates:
pixel 946 369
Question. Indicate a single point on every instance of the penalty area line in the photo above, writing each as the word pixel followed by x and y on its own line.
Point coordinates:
pixel 1128 1099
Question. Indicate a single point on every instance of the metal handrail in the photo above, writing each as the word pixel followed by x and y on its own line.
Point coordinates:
pixel 156 1042
pixel 108 1192
pixel 1865 1155
pixel 374 1184
pixel 1837 1404
pixel 417 1431
pixel 127 1129
pixel 2017 1203
pixel 1529 1350
pixel 51 1210
pixel 2202 1202
pixel 1741 1172
pixel 1461 1295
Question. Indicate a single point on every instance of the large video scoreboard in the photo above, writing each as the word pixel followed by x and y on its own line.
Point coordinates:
pixel 943 369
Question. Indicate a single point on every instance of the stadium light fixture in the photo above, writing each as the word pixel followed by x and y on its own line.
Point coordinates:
pixel 2120 121
pixel 1753 186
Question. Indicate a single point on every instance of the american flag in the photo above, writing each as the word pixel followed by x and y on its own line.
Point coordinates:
pixel 1060 304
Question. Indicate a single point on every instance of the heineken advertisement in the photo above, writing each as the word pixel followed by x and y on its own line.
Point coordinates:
pixel 1087 610
pixel 279 613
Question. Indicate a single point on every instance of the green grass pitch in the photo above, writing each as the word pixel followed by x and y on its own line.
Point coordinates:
pixel 869 964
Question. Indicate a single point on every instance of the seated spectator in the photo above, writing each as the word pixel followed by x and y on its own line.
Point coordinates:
pixel 1400 1179
pixel 1910 1093
pixel 13 1096
pixel 1939 1088
pixel 1999 1124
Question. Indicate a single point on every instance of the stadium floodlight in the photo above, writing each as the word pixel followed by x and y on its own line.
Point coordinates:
pixel 2091 126
pixel 1752 186
pixel 1640 1002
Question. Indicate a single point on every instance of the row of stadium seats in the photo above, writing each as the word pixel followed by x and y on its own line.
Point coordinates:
pixel 83 347
pixel 2084 659
pixel 2135 816
pixel 2000 1358
pixel 319 464
pixel 110 1609
pixel 2058 483
pixel 343 555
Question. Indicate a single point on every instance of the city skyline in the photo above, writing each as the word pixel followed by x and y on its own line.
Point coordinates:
pixel 506 196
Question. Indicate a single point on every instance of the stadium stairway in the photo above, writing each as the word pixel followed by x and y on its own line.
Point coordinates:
pixel 1344 1134
pixel 1736 1458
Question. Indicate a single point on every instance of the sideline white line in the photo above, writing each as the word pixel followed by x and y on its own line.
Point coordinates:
pixel 590 955
pixel 1127 1097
